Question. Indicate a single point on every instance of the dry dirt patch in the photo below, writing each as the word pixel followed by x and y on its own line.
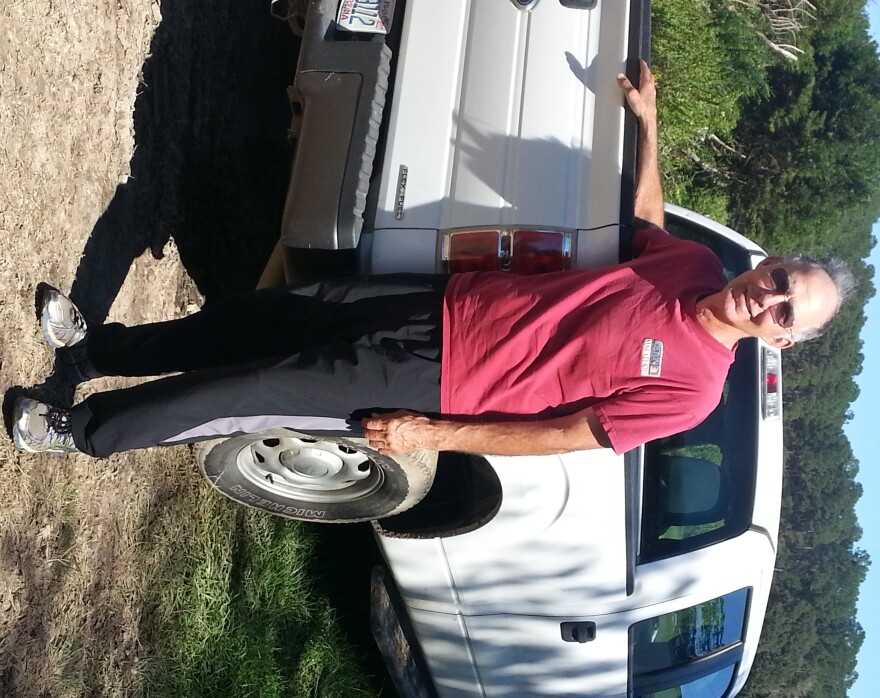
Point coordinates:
pixel 142 161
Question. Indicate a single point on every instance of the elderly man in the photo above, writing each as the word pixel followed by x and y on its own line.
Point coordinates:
pixel 486 362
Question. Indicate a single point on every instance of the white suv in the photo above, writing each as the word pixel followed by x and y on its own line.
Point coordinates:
pixel 480 134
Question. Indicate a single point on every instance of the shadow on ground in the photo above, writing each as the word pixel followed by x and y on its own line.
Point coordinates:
pixel 210 165
pixel 212 159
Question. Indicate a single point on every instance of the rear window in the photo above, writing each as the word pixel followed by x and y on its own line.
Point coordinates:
pixel 734 258
pixel 690 653
pixel 698 486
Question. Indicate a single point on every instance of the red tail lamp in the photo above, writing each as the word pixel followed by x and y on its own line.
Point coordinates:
pixel 519 251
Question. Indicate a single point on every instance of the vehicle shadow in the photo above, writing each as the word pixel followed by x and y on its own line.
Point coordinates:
pixel 343 559
pixel 211 156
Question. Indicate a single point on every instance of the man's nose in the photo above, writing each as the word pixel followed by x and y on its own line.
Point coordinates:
pixel 767 298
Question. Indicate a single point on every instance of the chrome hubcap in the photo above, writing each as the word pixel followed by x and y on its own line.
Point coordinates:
pixel 309 469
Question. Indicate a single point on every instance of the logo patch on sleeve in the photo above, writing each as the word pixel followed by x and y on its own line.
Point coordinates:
pixel 652 357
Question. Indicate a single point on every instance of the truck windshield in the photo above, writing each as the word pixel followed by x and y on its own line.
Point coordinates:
pixel 689 653
pixel 698 486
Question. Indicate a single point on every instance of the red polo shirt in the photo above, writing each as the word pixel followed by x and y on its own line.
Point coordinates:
pixel 624 340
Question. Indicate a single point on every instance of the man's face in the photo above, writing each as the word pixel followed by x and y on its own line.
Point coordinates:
pixel 776 301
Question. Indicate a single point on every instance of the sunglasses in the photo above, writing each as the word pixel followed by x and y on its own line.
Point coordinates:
pixel 783 313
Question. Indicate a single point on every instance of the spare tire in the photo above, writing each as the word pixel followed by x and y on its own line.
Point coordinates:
pixel 325 479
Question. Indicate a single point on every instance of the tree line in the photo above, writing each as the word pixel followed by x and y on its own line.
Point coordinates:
pixel 777 131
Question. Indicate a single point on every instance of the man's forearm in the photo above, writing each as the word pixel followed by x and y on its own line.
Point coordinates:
pixel 512 438
pixel 401 433
pixel 643 103
pixel 649 191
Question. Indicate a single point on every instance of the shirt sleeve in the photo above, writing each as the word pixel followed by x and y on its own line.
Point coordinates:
pixel 648 237
pixel 633 419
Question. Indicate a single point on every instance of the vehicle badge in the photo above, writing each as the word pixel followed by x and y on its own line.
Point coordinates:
pixel 652 357
pixel 401 191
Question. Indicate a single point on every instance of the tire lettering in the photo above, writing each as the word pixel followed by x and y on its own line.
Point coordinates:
pixel 249 497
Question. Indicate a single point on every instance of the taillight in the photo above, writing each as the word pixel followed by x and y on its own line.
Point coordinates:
pixel 519 251
pixel 771 398
pixel 536 251
pixel 476 250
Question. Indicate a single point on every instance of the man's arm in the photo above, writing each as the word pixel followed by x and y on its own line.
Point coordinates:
pixel 643 102
pixel 401 432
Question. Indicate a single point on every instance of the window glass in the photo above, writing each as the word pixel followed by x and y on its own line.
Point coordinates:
pixel 715 684
pixel 734 258
pixel 698 486
pixel 674 655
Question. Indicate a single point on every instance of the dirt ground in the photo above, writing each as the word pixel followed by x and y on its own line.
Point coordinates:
pixel 142 164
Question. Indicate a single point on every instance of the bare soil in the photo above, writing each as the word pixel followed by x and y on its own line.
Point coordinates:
pixel 143 159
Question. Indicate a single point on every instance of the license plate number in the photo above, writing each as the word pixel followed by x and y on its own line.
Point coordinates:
pixel 365 16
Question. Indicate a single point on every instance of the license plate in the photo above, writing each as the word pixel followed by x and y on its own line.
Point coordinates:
pixel 365 16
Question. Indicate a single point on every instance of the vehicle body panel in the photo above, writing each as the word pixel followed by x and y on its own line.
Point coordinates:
pixel 495 147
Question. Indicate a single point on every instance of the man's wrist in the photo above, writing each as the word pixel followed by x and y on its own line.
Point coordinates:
pixel 430 434
pixel 648 122
pixel 420 433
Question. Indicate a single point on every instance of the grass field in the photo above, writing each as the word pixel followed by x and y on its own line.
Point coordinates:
pixel 233 610
pixel 706 59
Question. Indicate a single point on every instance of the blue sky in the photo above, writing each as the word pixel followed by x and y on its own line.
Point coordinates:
pixel 862 432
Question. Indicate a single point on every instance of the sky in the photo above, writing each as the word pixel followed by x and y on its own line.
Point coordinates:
pixel 863 435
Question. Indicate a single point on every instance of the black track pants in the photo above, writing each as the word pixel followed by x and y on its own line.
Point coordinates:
pixel 316 358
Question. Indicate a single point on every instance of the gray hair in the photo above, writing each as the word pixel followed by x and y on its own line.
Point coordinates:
pixel 844 282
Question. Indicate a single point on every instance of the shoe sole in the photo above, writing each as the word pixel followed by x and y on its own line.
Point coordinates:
pixel 43 289
pixel 21 445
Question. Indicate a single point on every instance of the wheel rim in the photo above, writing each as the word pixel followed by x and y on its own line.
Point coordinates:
pixel 309 469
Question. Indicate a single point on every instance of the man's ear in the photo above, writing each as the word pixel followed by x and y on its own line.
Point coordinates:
pixel 772 260
pixel 780 342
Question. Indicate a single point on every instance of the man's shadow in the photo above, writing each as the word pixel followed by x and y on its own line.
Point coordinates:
pixel 211 157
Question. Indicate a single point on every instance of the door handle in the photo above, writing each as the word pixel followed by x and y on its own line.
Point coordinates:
pixel 578 631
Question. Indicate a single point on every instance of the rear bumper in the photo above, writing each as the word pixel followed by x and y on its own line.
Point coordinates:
pixel 337 96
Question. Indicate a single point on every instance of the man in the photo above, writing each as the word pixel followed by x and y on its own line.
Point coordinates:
pixel 480 362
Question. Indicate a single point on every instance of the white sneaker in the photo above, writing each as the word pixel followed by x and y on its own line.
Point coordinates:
pixel 63 324
pixel 41 428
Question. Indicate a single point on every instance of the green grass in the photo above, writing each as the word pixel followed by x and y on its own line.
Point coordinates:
pixel 706 59
pixel 232 610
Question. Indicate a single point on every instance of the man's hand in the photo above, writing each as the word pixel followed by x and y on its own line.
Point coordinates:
pixel 397 432
pixel 642 100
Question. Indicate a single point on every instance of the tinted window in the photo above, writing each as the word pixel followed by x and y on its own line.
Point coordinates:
pixel 698 486
pixel 689 653
pixel 733 257
pixel 714 684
